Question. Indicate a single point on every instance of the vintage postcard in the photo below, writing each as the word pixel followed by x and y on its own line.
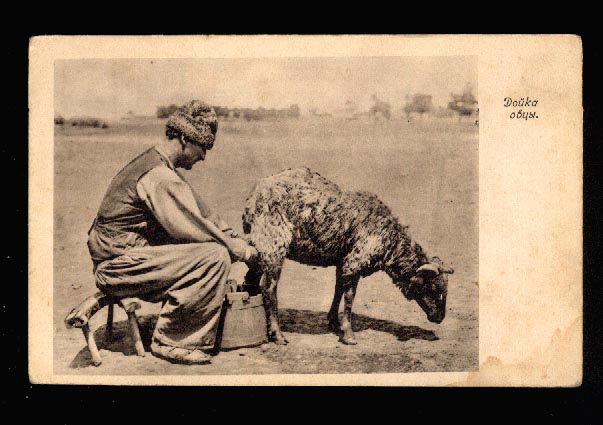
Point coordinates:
pixel 306 210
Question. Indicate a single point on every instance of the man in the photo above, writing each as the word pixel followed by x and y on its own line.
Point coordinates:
pixel 155 239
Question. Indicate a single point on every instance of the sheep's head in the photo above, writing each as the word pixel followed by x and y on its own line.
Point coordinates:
pixel 429 287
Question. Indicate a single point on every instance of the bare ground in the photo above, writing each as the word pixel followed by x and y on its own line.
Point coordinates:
pixel 425 171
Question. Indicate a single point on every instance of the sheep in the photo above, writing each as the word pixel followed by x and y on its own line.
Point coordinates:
pixel 300 215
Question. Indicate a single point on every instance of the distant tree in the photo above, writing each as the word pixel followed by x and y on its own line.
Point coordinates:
pixel 464 104
pixel 59 120
pixel 166 111
pixel 251 114
pixel 222 111
pixel 259 114
pixel 316 113
pixel 88 122
pixel 294 111
pixel 420 103
pixel 379 108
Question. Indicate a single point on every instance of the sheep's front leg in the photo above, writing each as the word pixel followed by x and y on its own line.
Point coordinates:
pixel 271 305
pixel 349 288
pixel 271 236
pixel 333 315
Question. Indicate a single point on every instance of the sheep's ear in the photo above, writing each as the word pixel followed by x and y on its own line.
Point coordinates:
pixel 440 264
pixel 436 262
pixel 428 270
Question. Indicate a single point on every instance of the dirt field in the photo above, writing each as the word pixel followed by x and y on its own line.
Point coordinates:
pixel 425 171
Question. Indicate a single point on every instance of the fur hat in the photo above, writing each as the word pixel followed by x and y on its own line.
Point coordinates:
pixel 196 121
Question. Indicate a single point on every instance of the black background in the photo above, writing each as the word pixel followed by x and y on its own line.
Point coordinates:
pixel 77 404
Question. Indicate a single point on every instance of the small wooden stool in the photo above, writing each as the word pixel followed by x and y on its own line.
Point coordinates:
pixel 80 316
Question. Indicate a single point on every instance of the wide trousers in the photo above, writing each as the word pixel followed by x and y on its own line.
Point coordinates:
pixel 190 279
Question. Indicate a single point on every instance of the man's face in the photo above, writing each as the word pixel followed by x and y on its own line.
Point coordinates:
pixel 191 154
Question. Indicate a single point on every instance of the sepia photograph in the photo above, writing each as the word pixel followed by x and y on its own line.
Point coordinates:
pixel 266 216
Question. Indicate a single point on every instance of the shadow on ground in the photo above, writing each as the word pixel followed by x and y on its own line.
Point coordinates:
pixel 119 341
pixel 315 323
pixel 292 320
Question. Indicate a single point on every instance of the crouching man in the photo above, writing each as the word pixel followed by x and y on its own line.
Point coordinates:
pixel 155 239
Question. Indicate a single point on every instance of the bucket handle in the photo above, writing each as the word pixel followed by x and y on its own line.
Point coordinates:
pixel 244 299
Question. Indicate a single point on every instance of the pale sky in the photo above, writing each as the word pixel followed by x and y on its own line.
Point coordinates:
pixel 110 88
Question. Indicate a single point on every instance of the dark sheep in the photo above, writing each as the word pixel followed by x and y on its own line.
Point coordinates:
pixel 300 215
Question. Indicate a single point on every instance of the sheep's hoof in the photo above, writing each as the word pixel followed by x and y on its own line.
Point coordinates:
pixel 279 339
pixel 349 340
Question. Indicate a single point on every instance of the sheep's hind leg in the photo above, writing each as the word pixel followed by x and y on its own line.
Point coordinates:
pixel 271 304
pixel 349 288
pixel 333 315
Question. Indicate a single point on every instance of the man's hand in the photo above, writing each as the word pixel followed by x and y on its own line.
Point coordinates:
pixel 230 233
pixel 240 250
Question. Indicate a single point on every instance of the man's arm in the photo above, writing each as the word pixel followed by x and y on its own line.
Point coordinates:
pixel 173 204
